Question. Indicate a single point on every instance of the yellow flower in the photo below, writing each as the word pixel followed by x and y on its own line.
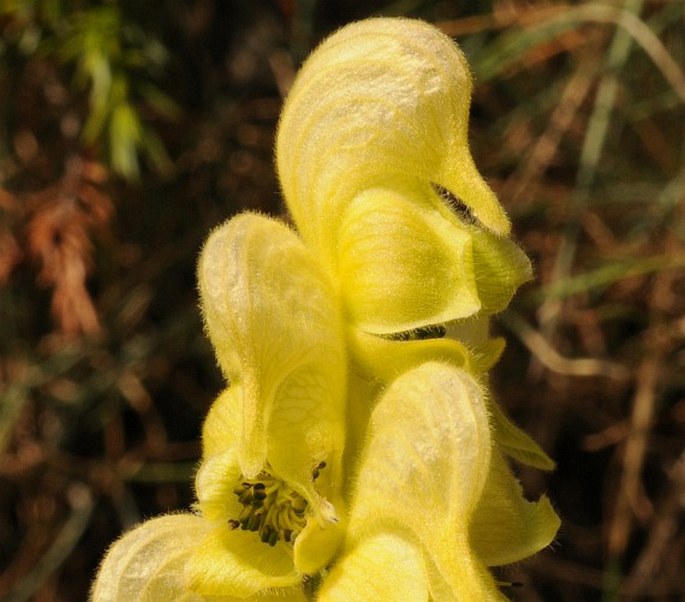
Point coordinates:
pixel 373 157
pixel 355 454
pixel 434 506
pixel 374 162
pixel 269 486
pixel 435 503
pixel 376 171
pixel 432 502
pixel 273 319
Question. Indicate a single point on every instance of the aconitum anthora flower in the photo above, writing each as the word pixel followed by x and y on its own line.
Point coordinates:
pixel 355 454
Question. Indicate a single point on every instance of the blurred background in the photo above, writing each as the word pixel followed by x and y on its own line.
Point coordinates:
pixel 129 129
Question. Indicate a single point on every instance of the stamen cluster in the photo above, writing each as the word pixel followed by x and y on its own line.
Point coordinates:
pixel 271 508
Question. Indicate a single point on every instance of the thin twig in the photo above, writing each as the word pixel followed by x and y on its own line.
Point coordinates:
pixel 661 535
pixel 549 357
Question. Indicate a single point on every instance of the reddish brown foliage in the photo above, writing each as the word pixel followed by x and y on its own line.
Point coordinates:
pixel 60 220
pixel 10 252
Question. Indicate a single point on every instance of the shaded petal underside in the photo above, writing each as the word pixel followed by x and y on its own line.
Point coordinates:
pixel 221 429
pixel 516 443
pixel 237 563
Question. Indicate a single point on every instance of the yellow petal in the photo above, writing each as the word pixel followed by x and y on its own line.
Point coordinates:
pixel 307 425
pixel 474 334
pixel 384 359
pixel 222 429
pixel 236 563
pixel 402 265
pixel 383 567
pixel 379 98
pixel 319 542
pixel 277 331
pixel 516 443
pixel 424 468
pixel 506 527
pixel 215 482
pixel 501 267
pixel 148 563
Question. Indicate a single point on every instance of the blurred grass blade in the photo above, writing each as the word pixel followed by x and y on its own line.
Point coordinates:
pixel 605 275
pixel 510 47
pixel 125 133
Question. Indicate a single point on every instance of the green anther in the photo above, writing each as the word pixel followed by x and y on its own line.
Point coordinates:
pixel 266 533
pixel 317 468
pixel 253 522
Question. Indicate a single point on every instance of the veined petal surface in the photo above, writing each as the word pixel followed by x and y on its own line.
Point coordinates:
pixel 276 327
pixel 501 267
pixel 162 559
pixel 402 263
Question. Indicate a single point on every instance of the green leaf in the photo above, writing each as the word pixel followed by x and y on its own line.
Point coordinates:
pixel 125 130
